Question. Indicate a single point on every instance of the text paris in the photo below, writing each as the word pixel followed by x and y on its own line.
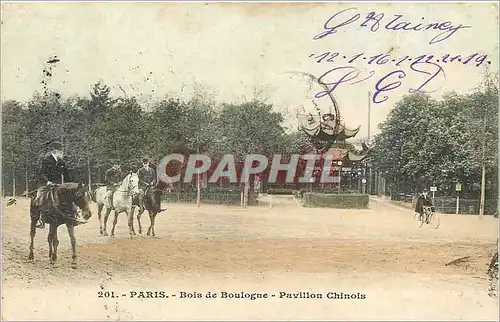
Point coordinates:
pixel 396 22
pixel 384 58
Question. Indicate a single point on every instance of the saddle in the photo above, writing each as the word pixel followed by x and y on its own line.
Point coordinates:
pixel 47 193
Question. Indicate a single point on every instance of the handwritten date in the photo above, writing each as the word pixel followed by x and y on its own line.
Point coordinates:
pixel 384 58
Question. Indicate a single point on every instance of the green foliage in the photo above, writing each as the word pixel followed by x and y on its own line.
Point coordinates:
pixel 426 142
pixel 342 201
pixel 100 130
pixel 250 128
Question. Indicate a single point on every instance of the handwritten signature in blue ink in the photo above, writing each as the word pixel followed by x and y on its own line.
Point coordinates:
pixel 385 84
pixel 395 23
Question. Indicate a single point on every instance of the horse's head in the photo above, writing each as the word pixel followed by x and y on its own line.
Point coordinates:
pixel 79 194
pixel 133 182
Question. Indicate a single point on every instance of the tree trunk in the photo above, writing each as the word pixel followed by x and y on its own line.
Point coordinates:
pixel 90 173
pixel 483 186
pixel 26 183
pixel 14 183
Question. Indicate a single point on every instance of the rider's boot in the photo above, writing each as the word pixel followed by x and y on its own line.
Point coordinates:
pixel 141 203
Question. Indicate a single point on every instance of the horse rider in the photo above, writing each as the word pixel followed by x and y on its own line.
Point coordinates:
pixel 147 179
pixel 157 202
pixel 113 178
pixel 423 200
pixel 53 171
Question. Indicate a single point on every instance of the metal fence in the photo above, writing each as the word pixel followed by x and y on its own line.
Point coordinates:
pixel 449 205
pixel 210 197
pixel 465 206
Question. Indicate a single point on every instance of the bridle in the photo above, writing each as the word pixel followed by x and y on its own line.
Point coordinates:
pixel 129 188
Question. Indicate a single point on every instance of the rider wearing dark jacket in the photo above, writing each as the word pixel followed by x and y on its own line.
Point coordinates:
pixel 112 178
pixel 53 171
pixel 423 200
pixel 147 179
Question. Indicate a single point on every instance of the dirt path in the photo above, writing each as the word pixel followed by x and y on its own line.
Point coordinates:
pixel 379 252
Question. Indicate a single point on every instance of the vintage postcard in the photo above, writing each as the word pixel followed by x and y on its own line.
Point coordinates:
pixel 249 160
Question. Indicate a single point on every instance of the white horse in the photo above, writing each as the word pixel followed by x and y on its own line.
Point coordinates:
pixel 122 202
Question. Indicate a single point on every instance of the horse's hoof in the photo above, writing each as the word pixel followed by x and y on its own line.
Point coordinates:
pixel 112 236
pixel 74 266
pixel 31 257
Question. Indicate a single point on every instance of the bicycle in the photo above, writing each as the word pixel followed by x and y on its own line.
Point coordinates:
pixel 429 217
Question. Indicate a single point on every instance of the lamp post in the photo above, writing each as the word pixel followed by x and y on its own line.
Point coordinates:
pixel 339 163
pixel 359 179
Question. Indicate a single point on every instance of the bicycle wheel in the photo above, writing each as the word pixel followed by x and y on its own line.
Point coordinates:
pixel 434 220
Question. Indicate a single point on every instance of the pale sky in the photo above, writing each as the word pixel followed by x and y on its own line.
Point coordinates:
pixel 231 48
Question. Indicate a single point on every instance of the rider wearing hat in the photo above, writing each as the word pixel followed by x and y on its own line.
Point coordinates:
pixel 147 178
pixel 112 177
pixel 423 200
pixel 53 171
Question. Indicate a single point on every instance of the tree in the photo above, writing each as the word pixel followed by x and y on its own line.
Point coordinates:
pixel 252 127
pixel 15 144
pixel 121 135
pixel 398 149
pixel 426 142
pixel 484 131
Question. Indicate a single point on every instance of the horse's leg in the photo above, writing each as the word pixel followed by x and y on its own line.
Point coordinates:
pixel 115 221
pixel 50 239
pixel 151 229
pixel 139 214
pixel 72 238
pixel 34 215
pixel 130 218
pixel 106 216
pixel 99 210
pixel 55 241
pixel 34 222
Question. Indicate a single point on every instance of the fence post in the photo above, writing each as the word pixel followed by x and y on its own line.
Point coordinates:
pixel 458 204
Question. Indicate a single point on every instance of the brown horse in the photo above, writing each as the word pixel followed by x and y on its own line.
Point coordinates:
pixel 152 202
pixel 56 208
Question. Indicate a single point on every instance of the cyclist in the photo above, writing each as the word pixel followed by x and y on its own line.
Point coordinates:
pixel 423 200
